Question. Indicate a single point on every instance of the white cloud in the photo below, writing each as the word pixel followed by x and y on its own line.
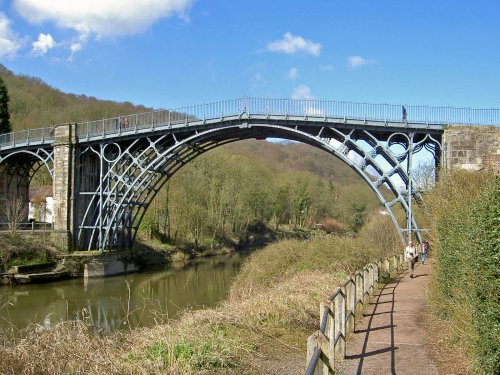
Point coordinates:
pixel 101 18
pixel 292 44
pixel 358 61
pixel 313 111
pixel 9 42
pixel 292 73
pixel 75 47
pixel 43 44
pixel 327 68
pixel 302 92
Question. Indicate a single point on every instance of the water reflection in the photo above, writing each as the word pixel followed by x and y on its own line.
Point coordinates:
pixel 121 301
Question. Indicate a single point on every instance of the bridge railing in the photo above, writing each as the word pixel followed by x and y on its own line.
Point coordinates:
pixel 290 107
pixel 28 136
pixel 338 314
pixel 267 107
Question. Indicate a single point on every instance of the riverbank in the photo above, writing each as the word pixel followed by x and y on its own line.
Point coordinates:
pixel 261 328
pixel 28 250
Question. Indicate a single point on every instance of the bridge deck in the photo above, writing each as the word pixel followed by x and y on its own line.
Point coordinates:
pixel 391 338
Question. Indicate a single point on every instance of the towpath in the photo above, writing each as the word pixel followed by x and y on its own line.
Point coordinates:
pixel 391 338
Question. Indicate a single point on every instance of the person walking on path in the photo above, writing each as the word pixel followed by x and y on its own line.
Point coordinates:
pixel 425 249
pixel 410 253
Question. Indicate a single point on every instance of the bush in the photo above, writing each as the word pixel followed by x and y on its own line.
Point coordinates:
pixel 465 216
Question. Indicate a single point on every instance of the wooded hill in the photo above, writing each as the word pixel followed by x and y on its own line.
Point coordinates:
pixel 35 104
pixel 224 193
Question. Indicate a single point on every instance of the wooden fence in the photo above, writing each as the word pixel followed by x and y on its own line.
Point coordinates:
pixel 338 314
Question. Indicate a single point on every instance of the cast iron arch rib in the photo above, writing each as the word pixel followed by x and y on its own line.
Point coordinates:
pixel 143 165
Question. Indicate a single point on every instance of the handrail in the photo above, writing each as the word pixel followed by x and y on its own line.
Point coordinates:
pixel 327 345
pixel 268 107
pixel 314 361
pixel 324 320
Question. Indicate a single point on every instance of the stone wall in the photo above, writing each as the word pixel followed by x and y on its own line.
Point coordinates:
pixel 472 147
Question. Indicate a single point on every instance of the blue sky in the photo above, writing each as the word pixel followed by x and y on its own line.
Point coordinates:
pixel 169 53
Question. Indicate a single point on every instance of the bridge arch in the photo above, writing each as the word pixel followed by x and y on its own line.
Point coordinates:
pixel 133 171
pixel 17 170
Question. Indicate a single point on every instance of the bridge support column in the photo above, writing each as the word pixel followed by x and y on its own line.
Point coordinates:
pixel 63 182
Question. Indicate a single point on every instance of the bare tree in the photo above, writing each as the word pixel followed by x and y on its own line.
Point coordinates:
pixel 15 211
pixel 424 175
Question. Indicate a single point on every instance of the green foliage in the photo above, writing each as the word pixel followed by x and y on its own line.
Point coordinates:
pixel 211 350
pixel 4 109
pixel 359 215
pixel 465 218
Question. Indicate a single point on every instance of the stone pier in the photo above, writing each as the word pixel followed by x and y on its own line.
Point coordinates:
pixel 472 147
pixel 63 182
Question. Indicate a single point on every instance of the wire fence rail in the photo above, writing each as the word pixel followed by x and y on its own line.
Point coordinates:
pixel 338 314
pixel 267 107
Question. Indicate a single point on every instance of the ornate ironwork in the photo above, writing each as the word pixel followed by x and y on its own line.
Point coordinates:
pixel 121 163
pixel 132 171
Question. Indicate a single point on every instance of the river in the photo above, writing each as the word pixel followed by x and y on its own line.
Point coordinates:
pixel 125 301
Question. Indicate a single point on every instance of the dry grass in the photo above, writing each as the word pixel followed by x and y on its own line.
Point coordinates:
pixel 449 357
pixel 264 324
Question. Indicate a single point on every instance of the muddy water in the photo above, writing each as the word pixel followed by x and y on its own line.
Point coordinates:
pixel 121 301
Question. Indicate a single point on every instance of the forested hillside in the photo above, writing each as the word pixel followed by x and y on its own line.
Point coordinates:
pixel 35 104
pixel 227 194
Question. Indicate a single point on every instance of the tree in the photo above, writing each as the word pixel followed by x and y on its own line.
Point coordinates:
pixel 15 211
pixel 358 210
pixel 4 109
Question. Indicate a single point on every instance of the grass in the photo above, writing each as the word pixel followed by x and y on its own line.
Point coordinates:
pixel 263 325
pixel 17 249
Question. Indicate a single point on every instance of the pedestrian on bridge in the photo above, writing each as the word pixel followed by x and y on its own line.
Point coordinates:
pixel 410 254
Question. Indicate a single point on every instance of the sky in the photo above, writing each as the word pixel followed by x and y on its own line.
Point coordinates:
pixel 171 53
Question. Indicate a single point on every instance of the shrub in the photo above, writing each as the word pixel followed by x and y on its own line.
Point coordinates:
pixel 464 214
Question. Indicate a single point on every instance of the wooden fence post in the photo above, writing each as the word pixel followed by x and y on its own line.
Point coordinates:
pixel 318 340
pixel 388 267
pixel 395 265
pixel 329 329
pixel 366 285
pixel 350 295
pixel 360 292
pixel 339 341
pixel 371 270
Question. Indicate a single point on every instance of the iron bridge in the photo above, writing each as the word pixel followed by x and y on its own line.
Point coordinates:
pixel 107 172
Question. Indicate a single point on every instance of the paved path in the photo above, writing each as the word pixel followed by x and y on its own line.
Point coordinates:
pixel 391 337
